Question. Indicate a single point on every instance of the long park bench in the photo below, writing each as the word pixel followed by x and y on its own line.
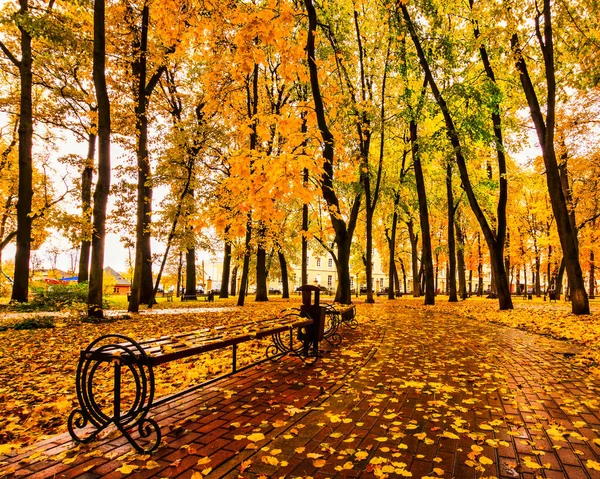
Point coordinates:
pixel 295 332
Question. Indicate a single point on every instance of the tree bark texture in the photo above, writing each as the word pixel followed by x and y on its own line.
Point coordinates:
pixel 451 280
pixel 285 292
pixel 592 283
pixel 414 257
pixel 545 129
pixel 252 106
pixel 261 274
pixel 86 205
pixel 224 293
pixel 246 264
pixel 391 239
pixel 234 281
pixel 20 290
pixel 190 274
pixel 426 254
pixel 141 289
pixel 103 183
pixel 460 261
pixel 495 241
pixel 343 231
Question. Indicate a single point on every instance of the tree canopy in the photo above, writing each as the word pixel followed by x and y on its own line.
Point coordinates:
pixel 397 127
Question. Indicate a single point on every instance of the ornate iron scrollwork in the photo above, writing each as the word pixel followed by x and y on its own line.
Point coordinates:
pixel 298 345
pixel 122 353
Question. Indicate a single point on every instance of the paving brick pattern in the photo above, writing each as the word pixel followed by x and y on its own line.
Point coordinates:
pixel 410 393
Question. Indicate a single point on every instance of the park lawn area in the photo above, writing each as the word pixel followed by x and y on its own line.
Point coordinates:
pixel 37 367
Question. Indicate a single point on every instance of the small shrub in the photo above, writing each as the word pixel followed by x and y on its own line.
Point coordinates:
pixel 106 319
pixel 39 322
pixel 55 297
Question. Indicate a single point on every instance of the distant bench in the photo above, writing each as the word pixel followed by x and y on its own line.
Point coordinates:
pixel 140 357
pixel 398 294
pixel 210 297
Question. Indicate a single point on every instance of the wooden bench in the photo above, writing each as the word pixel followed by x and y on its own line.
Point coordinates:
pixel 140 357
pixel 338 315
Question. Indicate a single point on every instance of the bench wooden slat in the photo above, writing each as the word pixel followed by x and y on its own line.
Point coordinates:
pixel 170 348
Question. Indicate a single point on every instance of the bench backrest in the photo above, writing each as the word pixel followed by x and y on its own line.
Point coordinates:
pixel 169 348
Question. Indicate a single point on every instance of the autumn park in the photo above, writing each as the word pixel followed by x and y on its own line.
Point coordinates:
pixel 299 239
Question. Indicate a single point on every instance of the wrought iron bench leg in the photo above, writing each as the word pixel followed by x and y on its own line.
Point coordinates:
pixel 279 348
pixel 130 355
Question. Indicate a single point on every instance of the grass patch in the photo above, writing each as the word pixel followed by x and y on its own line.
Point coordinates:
pixel 39 322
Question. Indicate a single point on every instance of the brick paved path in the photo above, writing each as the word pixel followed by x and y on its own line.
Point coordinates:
pixel 411 393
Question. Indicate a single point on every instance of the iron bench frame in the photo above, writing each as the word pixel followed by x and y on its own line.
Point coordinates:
pixel 140 358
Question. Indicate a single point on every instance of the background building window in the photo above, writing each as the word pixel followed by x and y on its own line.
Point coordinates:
pixel 329 280
pixel 330 263
pixel 318 262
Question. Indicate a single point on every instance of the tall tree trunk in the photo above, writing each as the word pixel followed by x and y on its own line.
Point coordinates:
pixel 343 268
pixel 414 256
pixel 470 282
pixel 179 269
pixel 234 281
pixel 404 275
pixel 284 275
pixel 592 283
pixel 141 289
pixel 261 273
pixel 495 240
pixel 369 255
pixel 560 275
pixel 545 128
pixel 224 293
pixel 426 255
pixel 191 254
pixel 460 261
pixel 343 231
pixel 246 264
pixel 364 131
pixel 452 297
pixel 305 178
pixel 538 287
pixel 190 274
pixel 20 289
pixel 252 105
pixel 391 239
pixel 436 272
pixel 397 279
pixel 548 271
pixel 479 266
pixel 86 211
pixel 103 184
pixel 507 259
pixel 304 279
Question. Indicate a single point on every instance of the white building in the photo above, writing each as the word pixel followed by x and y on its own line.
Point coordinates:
pixel 322 272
